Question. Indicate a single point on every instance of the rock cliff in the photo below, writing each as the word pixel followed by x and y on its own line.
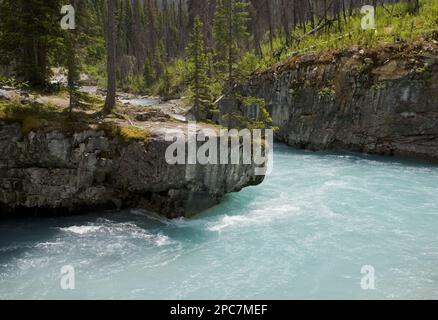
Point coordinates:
pixel 382 100
pixel 53 171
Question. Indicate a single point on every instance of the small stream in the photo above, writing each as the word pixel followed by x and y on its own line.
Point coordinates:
pixel 156 104
pixel 141 102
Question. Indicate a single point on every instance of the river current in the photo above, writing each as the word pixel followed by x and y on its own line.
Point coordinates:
pixel 306 233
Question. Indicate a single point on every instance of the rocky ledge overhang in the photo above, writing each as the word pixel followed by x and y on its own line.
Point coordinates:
pixel 54 172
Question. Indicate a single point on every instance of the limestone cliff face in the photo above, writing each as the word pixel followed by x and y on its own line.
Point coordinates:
pixel 50 171
pixel 382 101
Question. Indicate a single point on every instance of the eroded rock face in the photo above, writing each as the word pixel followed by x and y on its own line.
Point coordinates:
pixel 382 101
pixel 49 171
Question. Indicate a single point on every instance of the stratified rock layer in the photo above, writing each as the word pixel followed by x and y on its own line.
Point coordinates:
pixel 382 101
pixel 51 171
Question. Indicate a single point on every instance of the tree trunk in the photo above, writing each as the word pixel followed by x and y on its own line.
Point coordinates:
pixel 271 32
pixel 71 81
pixel 72 63
pixel 285 21
pixel 414 6
pixel 111 57
pixel 312 14
pixel 230 43
pixel 181 25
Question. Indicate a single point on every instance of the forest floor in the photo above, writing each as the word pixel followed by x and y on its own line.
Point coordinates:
pixel 129 119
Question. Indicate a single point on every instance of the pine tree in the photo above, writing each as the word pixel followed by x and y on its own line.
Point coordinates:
pixel 159 60
pixel 73 70
pixel 148 73
pixel 198 69
pixel 72 60
pixel 165 85
pixel 110 100
pixel 152 26
pixel 230 28
pixel 29 35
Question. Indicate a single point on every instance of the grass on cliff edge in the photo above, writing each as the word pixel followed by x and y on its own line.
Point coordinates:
pixel 37 116
pixel 393 22
pixel 126 133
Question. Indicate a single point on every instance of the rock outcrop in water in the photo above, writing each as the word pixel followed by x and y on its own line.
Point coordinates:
pixel 52 171
pixel 381 101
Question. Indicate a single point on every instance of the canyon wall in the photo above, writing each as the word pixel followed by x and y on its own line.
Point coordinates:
pixel 52 171
pixel 380 101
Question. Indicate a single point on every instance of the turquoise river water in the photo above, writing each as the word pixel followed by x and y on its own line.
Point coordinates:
pixel 305 233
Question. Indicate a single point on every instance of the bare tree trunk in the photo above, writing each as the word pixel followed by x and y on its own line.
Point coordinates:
pixel 71 77
pixel 344 11
pixel 337 11
pixel 230 44
pixel 181 25
pixel 72 63
pixel 285 21
pixel 255 26
pixel 312 14
pixel 271 31
pixel 111 57
pixel 414 6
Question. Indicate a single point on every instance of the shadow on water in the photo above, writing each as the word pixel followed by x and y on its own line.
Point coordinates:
pixel 18 236
pixel 281 149
pixel 21 236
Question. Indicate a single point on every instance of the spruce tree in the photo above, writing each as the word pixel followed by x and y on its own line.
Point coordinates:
pixel 30 34
pixel 148 73
pixel 198 70
pixel 110 100
pixel 230 28
pixel 72 59
pixel 73 70
pixel 159 62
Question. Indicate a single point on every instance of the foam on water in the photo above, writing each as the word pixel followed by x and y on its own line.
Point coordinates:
pixel 305 233
pixel 81 229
